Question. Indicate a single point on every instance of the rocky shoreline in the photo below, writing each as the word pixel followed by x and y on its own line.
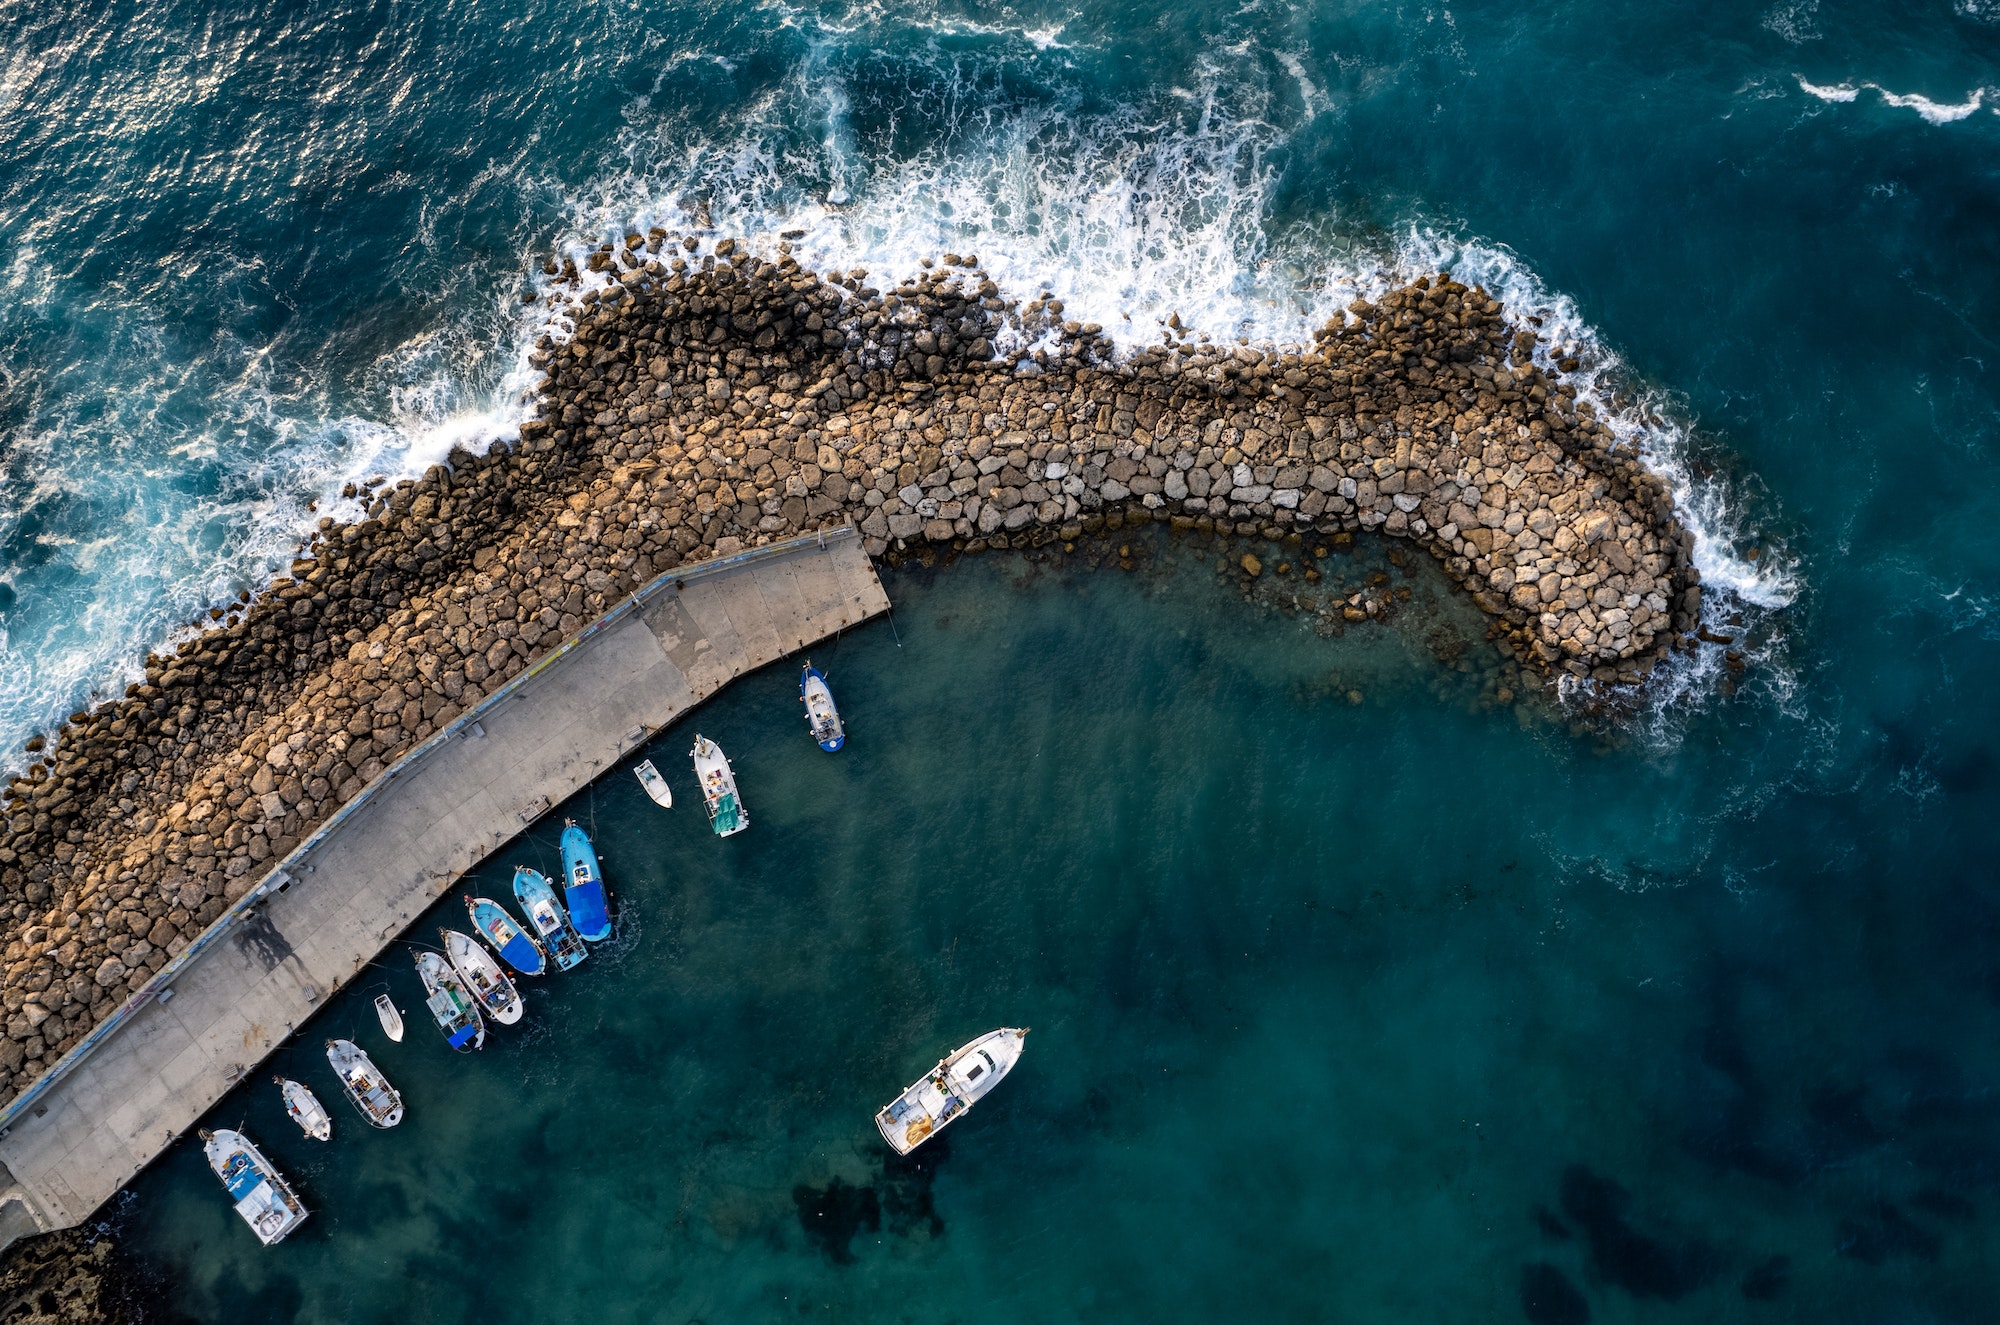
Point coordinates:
pixel 78 1276
pixel 703 399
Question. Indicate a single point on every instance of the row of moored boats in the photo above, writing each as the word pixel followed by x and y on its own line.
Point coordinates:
pixel 466 985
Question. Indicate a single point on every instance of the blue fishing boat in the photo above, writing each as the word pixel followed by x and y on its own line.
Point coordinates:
pixel 547 918
pixel 515 945
pixel 583 885
pixel 822 718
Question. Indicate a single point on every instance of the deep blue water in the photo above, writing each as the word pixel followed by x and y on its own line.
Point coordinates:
pixel 1743 965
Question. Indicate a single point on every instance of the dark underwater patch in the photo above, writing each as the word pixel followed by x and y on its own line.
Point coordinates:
pixel 1881 1232
pixel 1767 1279
pixel 1551 1226
pixel 830 1216
pixel 1641 1265
pixel 907 1190
pixel 1945 1205
pixel 1840 1121
pixel 1549 1298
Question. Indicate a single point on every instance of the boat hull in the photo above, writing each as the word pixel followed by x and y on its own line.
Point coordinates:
pixel 822 717
pixel 263 1198
pixel 948 1091
pixel 306 1110
pixel 583 886
pixel 482 975
pixel 655 784
pixel 390 1017
pixel 450 1003
pixel 547 918
pixel 366 1087
pixel 717 781
pixel 502 934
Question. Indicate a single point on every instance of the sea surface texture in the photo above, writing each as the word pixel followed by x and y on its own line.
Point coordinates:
pixel 1360 989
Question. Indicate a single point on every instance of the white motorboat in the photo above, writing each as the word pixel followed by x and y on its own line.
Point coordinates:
pixel 263 1197
pixel 365 1085
pixel 655 785
pixel 943 1094
pixel 718 788
pixel 483 976
pixel 391 1019
pixel 822 718
pixel 306 1110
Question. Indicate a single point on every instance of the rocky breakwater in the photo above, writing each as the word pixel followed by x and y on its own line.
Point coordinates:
pixel 697 402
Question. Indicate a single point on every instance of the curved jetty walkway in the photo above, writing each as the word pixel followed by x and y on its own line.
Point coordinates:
pixel 205 1020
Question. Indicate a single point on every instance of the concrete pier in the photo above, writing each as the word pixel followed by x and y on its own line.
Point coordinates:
pixel 210 1016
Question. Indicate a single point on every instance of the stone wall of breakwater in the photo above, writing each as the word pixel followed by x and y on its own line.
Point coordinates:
pixel 701 398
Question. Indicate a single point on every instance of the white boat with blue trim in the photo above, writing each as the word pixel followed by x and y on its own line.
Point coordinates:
pixel 822 718
pixel 451 1003
pixel 944 1094
pixel 482 975
pixel 265 1200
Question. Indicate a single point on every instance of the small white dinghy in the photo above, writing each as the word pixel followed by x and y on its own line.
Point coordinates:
pixel 265 1200
pixel 306 1110
pixel 655 785
pixel 957 1083
pixel 392 1020
pixel 365 1085
pixel 718 788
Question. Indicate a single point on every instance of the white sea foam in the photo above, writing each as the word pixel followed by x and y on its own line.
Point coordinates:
pixel 1133 215
pixel 1130 215
pixel 1797 21
pixel 1838 92
pixel 1933 112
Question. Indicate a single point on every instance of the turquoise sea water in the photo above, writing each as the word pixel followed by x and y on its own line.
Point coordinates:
pixel 1367 1011
pixel 1376 1011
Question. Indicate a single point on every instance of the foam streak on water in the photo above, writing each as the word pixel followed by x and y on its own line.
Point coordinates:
pixel 1130 212
pixel 886 134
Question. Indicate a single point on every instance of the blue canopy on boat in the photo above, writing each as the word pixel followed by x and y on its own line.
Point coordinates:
pixel 583 886
pixel 241 1176
pixel 464 1035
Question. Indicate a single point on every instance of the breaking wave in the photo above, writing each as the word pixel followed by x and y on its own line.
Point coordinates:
pixel 877 136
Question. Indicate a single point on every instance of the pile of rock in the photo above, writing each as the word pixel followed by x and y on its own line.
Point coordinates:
pixel 706 402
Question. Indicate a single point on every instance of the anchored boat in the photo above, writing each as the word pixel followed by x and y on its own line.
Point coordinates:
pixel 263 1197
pixel 451 1003
pixel 957 1083
pixel 822 718
pixel 390 1017
pixel 514 944
pixel 483 976
pixel 583 885
pixel 365 1085
pixel 306 1110
pixel 546 918
pixel 718 788
pixel 655 785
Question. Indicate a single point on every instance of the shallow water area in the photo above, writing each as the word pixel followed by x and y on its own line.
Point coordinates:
pixel 1393 1006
